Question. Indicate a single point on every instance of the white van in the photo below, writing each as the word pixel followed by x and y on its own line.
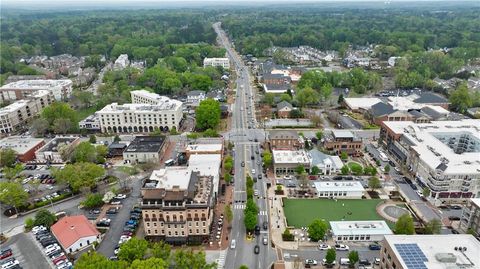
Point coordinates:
pixel 344 261
pixel 232 244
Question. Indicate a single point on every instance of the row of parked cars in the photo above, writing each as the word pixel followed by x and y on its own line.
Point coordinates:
pixel 51 248
pixel 128 230
pixel 7 259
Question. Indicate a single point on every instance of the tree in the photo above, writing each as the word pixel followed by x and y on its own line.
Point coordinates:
pixel 433 227
pixel 426 192
pixel 353 258
pixel 319 135
pixel 306 96
pixel 116 139
pixel 150 263
pixel 62 125
pixel 93 200
pixel 228 163
pixel 92 139
pixel 39 127
pixel 404 225
pixel 250 220
pixel 79 175
pixel 343 155
pixel 8 157
pixel 29 223
pixel 295 114
pixel 315 170
pixel 267 159
pixel 45 218
pixel 208 114
pixel 13 194
pixel 59 110
pixel 316 120
pixel 133 249
pixel 331 256
pixel 285 97
pixel 345 170
pixel 91 260
pixel 13 172
pixel 161 250
pixel 317 230
pixel 243 266
pixel 300 170
pixel 356 168
pixel 269 99
pixel 187 259
pixel 460 99
pixel 340 99
pixel 84 152
pixel 374 183
pixel 387 169
pixel 228 213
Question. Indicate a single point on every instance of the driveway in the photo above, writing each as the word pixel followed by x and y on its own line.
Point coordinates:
pixel 27 251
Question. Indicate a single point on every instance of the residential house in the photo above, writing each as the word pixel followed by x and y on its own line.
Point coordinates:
pixel 283 109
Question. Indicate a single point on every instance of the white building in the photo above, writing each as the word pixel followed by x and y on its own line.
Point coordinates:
pixel 121 62
pixel 90 123
pixel 164 115
pixel 148 98
pixel 370 230
pixel 286 161
pixel 444 155
pixel 361 103
pixel 61 89
pixel 223 62
pixel 75 233
pixel 203 149
pixel 195 97
pixel 436 251
pixel 207 165
pixel 16 115
pixel 57 150
pixel 340 190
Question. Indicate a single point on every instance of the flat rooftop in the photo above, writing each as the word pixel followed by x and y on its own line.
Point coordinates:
pixel 152 96
pixel 374 227
pixel 342 134
pixel 362 102
pixel 291 156
pixel 205 164
pixel 475 201
pixel 437 143
pixel 13 106
pixel 421 251
pixel 37 84
pixel 169 104
pixel 339 186
pixel 146 144
pixel 171 177
pixel 20 144
pixel 53 144
pixel 204 148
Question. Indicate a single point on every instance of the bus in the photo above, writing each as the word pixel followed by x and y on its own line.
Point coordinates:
pixel 383 157
pixel 169 162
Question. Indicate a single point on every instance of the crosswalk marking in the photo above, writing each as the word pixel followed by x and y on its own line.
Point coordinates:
pixel 239 206
pixel 221 260
pixel 262 213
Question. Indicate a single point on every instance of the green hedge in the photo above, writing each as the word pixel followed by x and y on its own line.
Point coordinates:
pixel 44 203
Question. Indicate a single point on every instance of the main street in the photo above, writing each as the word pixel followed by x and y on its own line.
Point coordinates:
pixel 246 139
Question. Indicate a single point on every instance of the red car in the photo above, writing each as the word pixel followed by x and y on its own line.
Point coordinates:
pixel 57 260
pixel 5 254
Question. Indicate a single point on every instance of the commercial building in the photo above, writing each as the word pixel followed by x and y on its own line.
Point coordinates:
pixel 148 98
pixel 340 190
pixel 286 161
pixel 369 230
pixel 16 115
pixel 430 251
pixel 284 140
pixel 195 149
pixel 75 233
pixel 24 146
pixel 470 220
pixel 90 123
pixel 138 117
pixel 207 165
pixel 61 89
pixel 223 62
pixel 57 150
pixel 328 164
pixel 177 206
pixel 360 104
pixel 339 141
pixel 443 155
pixel 195 97
pixel 145 149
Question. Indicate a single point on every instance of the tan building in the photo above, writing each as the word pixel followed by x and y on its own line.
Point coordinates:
pixel 61 89
pixel 340 141
pixel 470 220
pixel 284 139
pixel 177 206
pixel 16 115
pixel 429 251
pixel 203 149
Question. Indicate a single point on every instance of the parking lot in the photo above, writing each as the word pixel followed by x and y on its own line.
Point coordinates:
pixel 27 251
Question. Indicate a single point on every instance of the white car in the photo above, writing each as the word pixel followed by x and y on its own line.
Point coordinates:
pixel 37 229
pixel 115 202
pixel 324 247
pixel 64 265
pixel 341 247
pixel 310 262
pixel 50 247
pixel 52 250
pixel 10 264
pixel 253 171
pixel 324 262
pixel 121 196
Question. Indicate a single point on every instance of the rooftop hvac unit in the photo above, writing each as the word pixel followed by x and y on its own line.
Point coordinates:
pixel 446 257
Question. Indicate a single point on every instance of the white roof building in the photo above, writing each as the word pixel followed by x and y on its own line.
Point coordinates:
pixel 342 189
pixel 204 149
pixel 60 88
pixel 206 165
pixel 370 230
pixel 223 62
pixel 171 177
pixel 364 103
pixel 148 98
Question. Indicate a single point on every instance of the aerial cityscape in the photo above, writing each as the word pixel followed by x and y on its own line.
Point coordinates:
pixel 239 135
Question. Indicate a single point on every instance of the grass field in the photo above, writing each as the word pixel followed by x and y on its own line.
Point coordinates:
pixel 301 212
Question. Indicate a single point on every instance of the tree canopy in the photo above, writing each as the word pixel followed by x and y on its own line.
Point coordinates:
pixel 208 114
pixel 78 175
pixel 317 229
pixel 404 225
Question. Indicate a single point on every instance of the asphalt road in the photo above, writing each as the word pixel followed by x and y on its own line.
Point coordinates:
pixel 243 135
pixel 27 251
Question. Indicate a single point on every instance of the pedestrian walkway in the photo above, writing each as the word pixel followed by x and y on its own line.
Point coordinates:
pixel 239 206
pixel 221 260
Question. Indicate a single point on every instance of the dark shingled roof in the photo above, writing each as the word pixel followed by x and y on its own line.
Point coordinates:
pixel 430 98
pixel 284 104
pixel 380 109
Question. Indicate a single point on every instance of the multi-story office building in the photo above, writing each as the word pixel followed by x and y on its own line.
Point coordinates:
pixel 223 62
pixel 284 140
pixel 24 146
pixel 443 155
pixel 286 161
pixel 145 149
pixel 430 251
pixel 470 220
pixel 16 115
pixel 177 206
pixel 61 89
pixel 147 113
pixel 340 141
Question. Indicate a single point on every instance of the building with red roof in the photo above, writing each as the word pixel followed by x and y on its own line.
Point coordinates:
pixel 75 233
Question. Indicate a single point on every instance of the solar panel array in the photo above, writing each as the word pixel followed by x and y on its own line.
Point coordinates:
pixel 412 256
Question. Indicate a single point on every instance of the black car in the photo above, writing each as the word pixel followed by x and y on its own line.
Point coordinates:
pixel 111 211
pixel 337 178
pixel 455 207
pixel 392 164
pixel 256 249
pixel 257 230
pixel 265 225
pixel 259 176
pixel 48 242
pixel 243 164
pixel 364 262
pixel 454 218
pixel 252 157
pixel 374 247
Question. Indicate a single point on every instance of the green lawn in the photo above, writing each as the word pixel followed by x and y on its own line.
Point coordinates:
pixel 301 212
